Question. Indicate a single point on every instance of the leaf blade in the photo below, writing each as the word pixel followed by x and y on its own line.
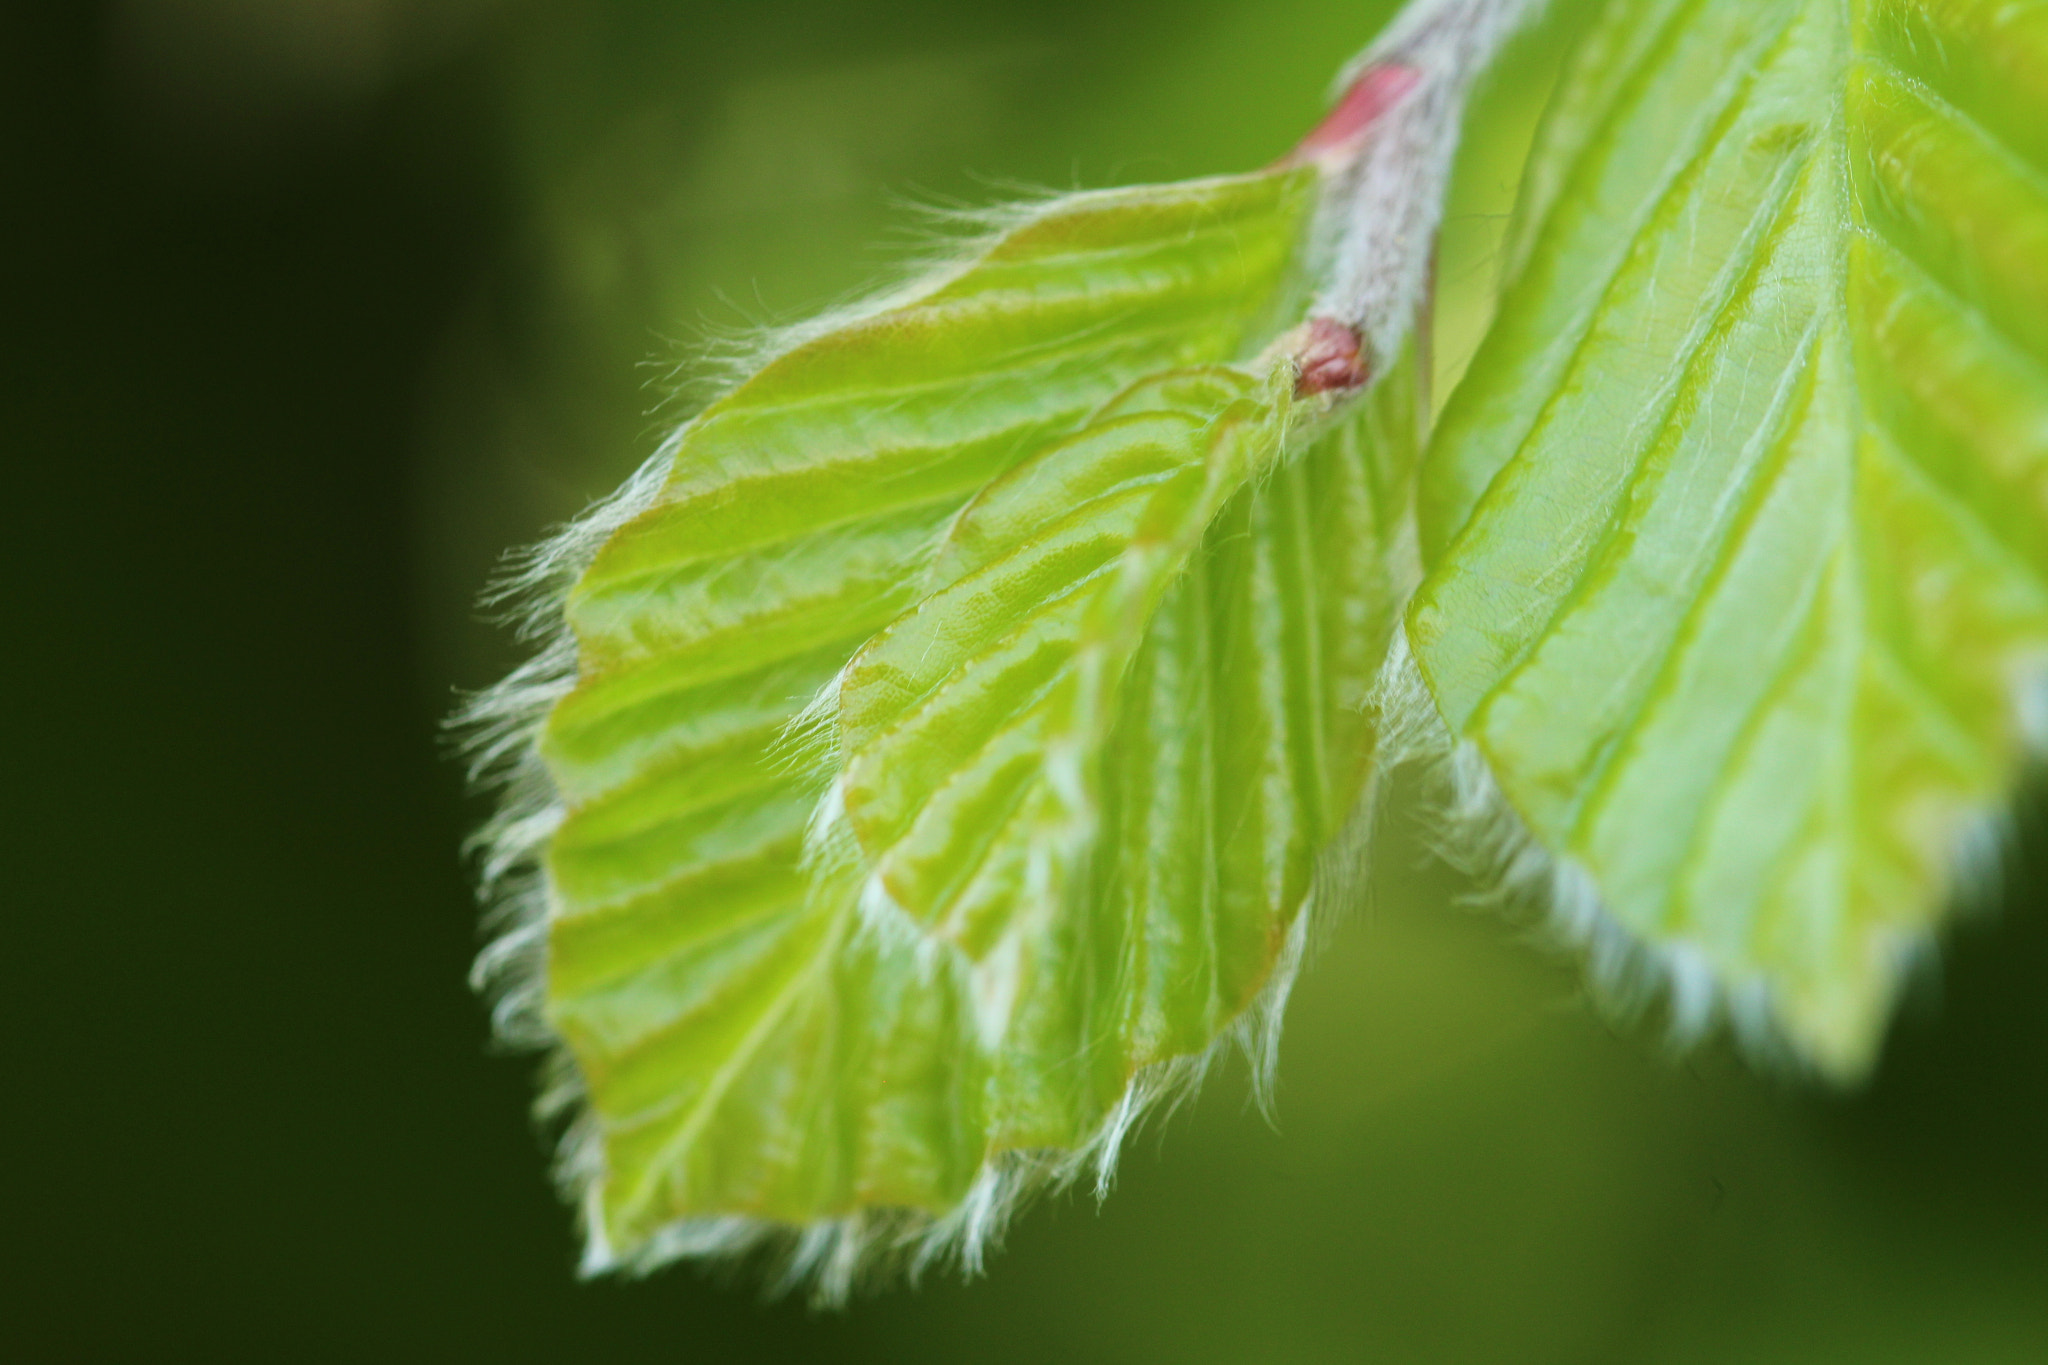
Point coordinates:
pixel 1683 596
pixel 751 1058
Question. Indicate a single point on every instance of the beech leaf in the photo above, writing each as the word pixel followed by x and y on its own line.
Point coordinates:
pixel 1737 530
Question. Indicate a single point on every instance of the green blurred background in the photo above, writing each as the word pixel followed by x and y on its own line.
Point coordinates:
pixel 315 306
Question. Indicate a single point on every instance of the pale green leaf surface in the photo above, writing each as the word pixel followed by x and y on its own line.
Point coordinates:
pixel 751 1045
pixel 1737 531
pixel 966 725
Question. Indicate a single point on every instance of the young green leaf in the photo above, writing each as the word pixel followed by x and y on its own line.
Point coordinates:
pixel 1737 531
pixel 752 1052
pixel 945 736
pixel 1008 790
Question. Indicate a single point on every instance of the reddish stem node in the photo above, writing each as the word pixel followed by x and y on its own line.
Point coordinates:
pixel 1329 358
pixel 1377 89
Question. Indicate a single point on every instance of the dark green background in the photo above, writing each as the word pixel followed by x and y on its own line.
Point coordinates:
pixel 314 305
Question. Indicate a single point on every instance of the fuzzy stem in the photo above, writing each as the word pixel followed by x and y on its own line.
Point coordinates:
pixel 1386 150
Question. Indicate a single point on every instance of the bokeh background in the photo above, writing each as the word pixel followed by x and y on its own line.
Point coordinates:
pixel 314 306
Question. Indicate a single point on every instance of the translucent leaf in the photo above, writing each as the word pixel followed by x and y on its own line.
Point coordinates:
pixel 1738 529
pixel 754 1051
